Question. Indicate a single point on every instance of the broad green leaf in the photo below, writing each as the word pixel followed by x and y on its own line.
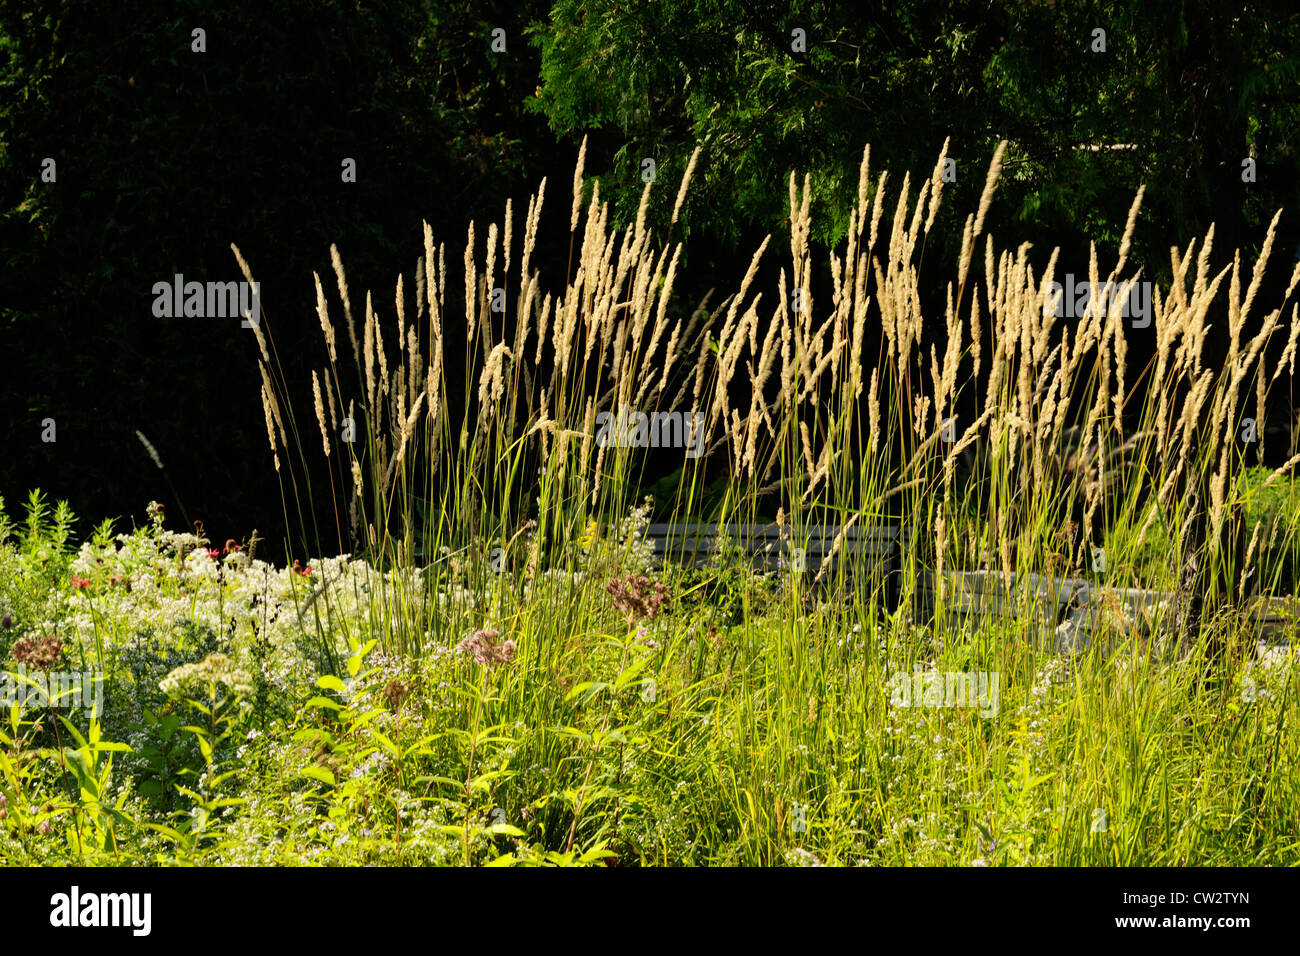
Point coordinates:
pixel 318 773
pixel 330 682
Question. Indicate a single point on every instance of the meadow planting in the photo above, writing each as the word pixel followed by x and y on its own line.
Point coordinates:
pixel 484 659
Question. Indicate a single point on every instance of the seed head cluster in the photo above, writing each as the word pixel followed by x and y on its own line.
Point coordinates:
pixel 637 596
pixel 486 649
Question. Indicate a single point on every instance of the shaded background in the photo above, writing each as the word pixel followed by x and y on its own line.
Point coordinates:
pixel 165 156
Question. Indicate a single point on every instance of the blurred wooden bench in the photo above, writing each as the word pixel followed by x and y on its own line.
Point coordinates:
pixel 770 547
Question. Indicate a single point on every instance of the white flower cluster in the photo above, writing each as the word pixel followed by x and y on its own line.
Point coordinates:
pixel 157 580
pixel 212 670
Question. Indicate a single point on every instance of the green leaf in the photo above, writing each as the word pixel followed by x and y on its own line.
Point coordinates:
pixel 572 732
pixel 354 662
pixel 597 852
pixel 631 672
pixel 319 773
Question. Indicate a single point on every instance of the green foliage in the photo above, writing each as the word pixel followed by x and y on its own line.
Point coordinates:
pixel 659 78
pixel 1274 508
pixel 34 560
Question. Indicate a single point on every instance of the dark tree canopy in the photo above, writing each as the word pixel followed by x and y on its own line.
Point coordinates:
pixel 165 156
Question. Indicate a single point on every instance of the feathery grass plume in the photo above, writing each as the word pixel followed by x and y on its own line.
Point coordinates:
pixel 327 327
pixel 442 274
pixel 861 304
pixel 358 482
pixel 381 354
pixel 640 237
pixel 153 452
pixel 566 327
pixel 686 181
pixel 1289 353
pixel 248 277
pixel 664 293
pixel 913 231
pixel 274 404
pixel 491 383
pixel 577 186
pixel 752 271
pixel 530 228
pixel 435 411
pixel 562 447
pixel 253 320
pixel 976 225
pixel 415 363
pixel 320 413
pixel 936 383
pixel 1279 472
pixel 1257 275
pixel 329 396
pixel 702 365
pixel 670 356
pixel 490 271
pixel 1246 570
pixel 873 410
pixel 270 426
pixel 766 359
pixel 243 266
pixel 588 429
pixel 936 186
pixel 523 324
pixel 990 181
pixel 427 282
pixel 369 352
pixel 508 232
pixel 419 284
pixel 399 306
pixel 337 262
pixel 809 462
pixel 471 290
pixel 643 300
pixel 261 341
pixel 736 432
pixel 897 233
pixel 408 429
pixel 542 324
pixel 864 183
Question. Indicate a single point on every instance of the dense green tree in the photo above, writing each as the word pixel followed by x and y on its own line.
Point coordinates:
pixel 1182 93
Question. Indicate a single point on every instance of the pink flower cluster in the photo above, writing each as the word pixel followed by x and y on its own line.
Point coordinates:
pixel 485 648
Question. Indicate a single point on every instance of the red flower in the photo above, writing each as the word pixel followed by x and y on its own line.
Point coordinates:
pixel 80 582
pixel 213 553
